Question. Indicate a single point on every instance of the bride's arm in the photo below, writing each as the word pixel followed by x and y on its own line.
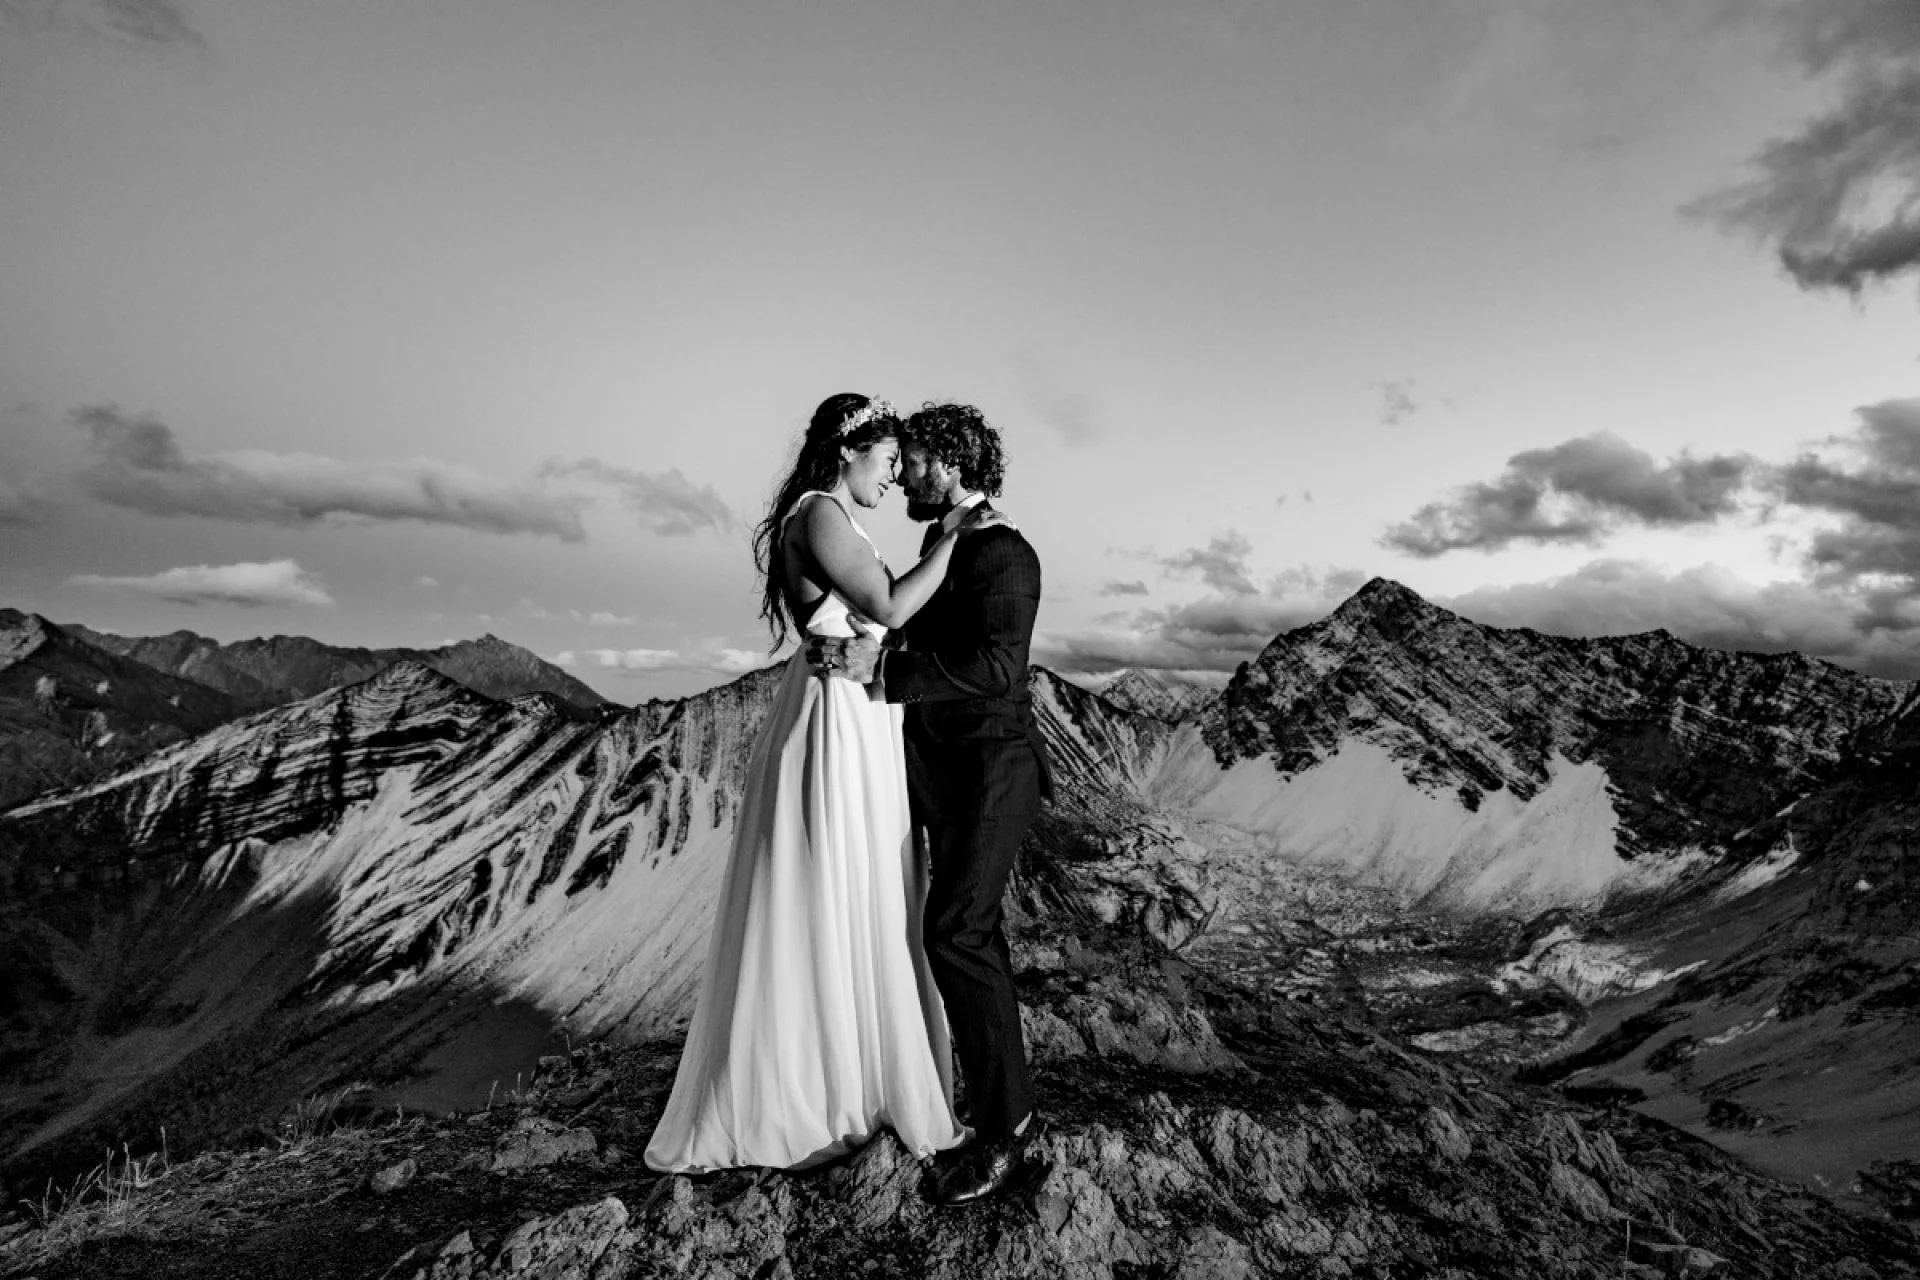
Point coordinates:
pixel 848 561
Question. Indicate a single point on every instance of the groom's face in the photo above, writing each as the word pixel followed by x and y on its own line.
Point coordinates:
pixel 926 482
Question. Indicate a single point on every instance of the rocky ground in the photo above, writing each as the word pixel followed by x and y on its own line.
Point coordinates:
pixel 1198 1128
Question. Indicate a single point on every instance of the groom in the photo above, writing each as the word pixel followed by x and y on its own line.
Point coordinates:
pixel 976 773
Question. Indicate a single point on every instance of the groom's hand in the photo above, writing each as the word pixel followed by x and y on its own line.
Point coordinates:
pixel 851 659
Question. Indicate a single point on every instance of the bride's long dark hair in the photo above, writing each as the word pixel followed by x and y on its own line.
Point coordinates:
pixel 816 465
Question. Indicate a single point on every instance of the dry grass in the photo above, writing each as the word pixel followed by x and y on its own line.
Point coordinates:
pixel 323 1113
pixel 104 1200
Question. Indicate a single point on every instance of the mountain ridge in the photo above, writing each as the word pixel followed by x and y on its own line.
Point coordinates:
pixel 270 670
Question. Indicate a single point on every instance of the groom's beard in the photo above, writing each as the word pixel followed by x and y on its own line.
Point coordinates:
pixel 927 510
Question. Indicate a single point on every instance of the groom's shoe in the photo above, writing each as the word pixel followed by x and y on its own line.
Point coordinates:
pixel 982 1169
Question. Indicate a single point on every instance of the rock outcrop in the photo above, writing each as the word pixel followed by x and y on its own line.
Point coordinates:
pixel 1233 1136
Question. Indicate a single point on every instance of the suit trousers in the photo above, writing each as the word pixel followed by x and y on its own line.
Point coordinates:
pixel 967 950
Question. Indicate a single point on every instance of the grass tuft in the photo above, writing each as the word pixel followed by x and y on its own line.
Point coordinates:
pixel 322 1113
pixel 105 1197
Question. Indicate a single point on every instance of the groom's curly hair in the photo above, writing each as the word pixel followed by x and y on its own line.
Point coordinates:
pixel 959 436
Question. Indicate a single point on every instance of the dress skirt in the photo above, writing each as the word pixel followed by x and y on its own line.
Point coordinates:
pixel 817 1021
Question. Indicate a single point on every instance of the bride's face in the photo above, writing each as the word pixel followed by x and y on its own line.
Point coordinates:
pixel 871 471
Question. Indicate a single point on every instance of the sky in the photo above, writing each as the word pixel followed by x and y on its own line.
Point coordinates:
pixel 398 324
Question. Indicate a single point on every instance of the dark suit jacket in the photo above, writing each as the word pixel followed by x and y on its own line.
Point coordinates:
pixel 973 751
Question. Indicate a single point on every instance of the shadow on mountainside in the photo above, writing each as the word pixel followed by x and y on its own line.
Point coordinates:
pixel 144 1008
pixel 1196 1130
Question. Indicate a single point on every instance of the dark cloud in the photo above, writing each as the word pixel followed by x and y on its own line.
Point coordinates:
pixel 1872 484
pixel 667 503
pixel 137 463
pixel 138 23
pixel 1397 403
pixel 1840 199
pixel 1711 607
pixel 1213 634
pixel 1221 564
pixel 1575 492
pixel 251 585
pixel 1110 589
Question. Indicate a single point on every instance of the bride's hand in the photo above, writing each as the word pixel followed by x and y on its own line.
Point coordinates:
pixel 985 518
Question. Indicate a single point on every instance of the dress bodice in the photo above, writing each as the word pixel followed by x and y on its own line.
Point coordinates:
pixel 833 615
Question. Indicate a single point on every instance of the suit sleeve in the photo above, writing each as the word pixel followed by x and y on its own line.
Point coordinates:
pixel 989 658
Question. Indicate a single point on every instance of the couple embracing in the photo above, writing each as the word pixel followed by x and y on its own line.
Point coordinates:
pixel 857 947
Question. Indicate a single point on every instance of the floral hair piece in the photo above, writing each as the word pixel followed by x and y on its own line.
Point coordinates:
pixel 866 413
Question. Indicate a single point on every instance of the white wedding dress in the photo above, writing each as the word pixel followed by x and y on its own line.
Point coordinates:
pixel 817 1022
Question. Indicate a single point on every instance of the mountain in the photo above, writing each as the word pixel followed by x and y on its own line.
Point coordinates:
pixel 70 712
pixel 1496 846
pixel 269 672
pixel 1510 766
pixel 1162 697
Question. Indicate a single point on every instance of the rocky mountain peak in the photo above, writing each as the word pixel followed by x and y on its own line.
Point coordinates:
pixel 408 675
pixel 20 635
pixel 1383 595
pixel 1469 710
pixel 1152 694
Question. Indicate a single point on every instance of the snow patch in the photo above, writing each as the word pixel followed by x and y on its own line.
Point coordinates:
pixel 1739 1029
pixel 1659 870
pixel 1420 979
pixel 1357 810
pixel 1587 971
pixel 1759 874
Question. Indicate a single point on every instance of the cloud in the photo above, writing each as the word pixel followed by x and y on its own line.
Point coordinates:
pixel 633 659
pixel 426 580
pixel 601 618
pixel 737 660
pixel 136 23
pixel 253 585
pixel 1213 634
pixel 712 656
pixel 668 503
pixel 137 463
pixel 1839 200
pixel 1871 482
pixel 1575 492
pixel 1712 607
pixel 1221 564
pixel 1124 589
pixel 1396 400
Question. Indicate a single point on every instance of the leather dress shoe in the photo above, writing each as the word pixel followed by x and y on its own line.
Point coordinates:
pixel 984 1168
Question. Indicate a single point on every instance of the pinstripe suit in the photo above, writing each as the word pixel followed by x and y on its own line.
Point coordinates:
pixel 976 775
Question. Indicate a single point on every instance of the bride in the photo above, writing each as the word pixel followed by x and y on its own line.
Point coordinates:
pixel 817 1021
